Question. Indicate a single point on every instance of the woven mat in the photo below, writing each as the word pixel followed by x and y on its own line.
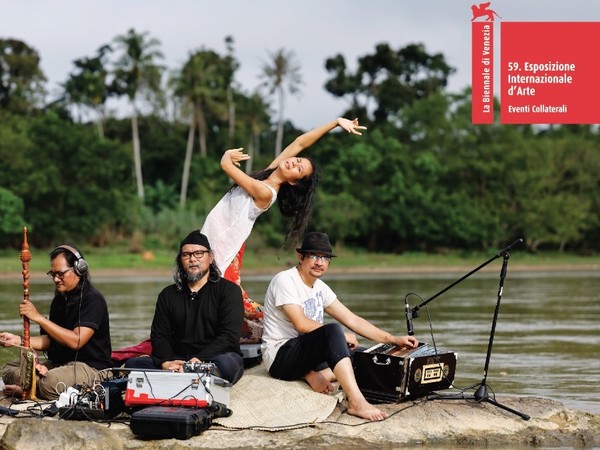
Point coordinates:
pixel 261 402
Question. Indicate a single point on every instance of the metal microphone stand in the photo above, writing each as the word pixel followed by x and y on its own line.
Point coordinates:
pixel 481 394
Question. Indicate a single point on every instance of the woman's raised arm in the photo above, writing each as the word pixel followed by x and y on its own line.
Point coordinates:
pixel 230 163
pixel 304 141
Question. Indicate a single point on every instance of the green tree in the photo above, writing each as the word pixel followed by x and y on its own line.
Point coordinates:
pixel 254 114
pixel 89 87
pixel 281 71
pixel 21 79
pixel 81 185
pixel 202 84
pixel 231 65
pixel 559 188
pixel 11 215
pixel 137 73
pixel 387 80
pixel 366 172
pixel 14 148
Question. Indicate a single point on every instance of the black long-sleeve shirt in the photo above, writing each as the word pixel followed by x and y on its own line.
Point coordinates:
pixel 208 323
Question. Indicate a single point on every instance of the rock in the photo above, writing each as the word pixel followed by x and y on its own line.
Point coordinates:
pixel 420 423
pixel 147 256
pixel 58 434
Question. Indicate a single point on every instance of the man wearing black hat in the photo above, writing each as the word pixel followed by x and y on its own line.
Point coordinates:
pixel 296 343
pixel 199 317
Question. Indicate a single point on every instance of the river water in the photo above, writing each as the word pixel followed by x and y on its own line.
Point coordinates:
pixel 546 340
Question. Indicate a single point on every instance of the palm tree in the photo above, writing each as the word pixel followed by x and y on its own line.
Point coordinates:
pixel 254 113
pixel 279 72
pixel 202 84
pixel 136 72
pixel 231 65
pixel 88 87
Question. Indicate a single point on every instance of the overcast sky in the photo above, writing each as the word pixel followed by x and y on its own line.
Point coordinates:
pixel 65 30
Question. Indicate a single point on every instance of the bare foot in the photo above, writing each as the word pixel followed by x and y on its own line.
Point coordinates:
pixel 365 410
pixel 12 390
pixel 318 382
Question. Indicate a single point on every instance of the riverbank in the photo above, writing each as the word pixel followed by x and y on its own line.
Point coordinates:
pixel 112 263
pixel 160 273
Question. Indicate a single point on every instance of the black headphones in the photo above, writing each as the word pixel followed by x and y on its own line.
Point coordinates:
pixel 81 266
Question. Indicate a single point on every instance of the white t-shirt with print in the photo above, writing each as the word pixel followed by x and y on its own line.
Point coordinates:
pixel 287 288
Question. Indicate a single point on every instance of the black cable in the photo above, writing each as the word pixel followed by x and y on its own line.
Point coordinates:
pixel 79 333
pixel 304 425
pixel 431 333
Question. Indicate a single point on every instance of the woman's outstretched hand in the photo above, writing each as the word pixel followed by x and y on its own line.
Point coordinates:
pixel 235 156
pixel 351 126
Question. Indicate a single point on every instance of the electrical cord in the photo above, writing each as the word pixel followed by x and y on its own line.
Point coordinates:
pixel 432 334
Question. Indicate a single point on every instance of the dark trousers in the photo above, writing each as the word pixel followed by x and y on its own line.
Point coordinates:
pixel 230 364
pixel 321 348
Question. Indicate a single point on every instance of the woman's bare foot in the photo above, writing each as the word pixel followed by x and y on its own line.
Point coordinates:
pixel 365 410
pixel 318 382
pixel 12 390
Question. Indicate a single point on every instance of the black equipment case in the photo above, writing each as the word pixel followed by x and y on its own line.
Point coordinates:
pixel 387 374
pixel 160 422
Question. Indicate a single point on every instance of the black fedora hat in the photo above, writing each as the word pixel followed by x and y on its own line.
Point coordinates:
pixel 315 242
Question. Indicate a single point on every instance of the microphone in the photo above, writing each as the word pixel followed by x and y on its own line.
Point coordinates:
pixel 504 250
pixel 409 318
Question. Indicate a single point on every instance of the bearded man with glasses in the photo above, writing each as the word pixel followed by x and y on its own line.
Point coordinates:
pixel 198 318
pixel 296 342
pixel 75 336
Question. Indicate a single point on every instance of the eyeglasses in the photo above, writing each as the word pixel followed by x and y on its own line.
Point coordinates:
pixel 198 254
pixel 60 275
pixel 322 258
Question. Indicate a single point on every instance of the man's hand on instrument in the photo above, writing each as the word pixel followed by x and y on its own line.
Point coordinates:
pixel 406 341
pixel 351 341
pixel 173 366
pixel 27 309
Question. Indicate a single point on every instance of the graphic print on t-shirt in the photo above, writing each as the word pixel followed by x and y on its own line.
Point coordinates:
pixel 313 307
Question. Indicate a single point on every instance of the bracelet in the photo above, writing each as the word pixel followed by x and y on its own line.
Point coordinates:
pixel 22 341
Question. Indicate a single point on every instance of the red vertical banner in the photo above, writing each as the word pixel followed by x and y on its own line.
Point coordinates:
pixel 482 75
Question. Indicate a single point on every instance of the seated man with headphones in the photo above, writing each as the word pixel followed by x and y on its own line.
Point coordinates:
pixel 75 336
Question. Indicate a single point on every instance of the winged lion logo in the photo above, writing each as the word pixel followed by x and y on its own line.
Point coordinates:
pixel 483 11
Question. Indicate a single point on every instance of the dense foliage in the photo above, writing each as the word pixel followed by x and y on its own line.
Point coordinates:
pixel 421 177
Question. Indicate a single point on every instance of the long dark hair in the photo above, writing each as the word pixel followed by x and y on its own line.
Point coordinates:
pixel 295 201
pixel 180 277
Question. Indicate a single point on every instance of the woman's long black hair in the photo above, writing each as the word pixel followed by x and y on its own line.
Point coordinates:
pixel 295 201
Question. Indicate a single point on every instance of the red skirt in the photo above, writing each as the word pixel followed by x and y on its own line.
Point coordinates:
pixel 252 328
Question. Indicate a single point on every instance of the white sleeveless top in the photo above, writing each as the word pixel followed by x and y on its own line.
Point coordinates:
pixel 230 222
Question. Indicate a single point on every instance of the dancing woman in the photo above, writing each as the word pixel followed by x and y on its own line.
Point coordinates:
pixel 289 180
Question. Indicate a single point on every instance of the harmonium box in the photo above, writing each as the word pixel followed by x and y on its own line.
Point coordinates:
pixel 386 373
